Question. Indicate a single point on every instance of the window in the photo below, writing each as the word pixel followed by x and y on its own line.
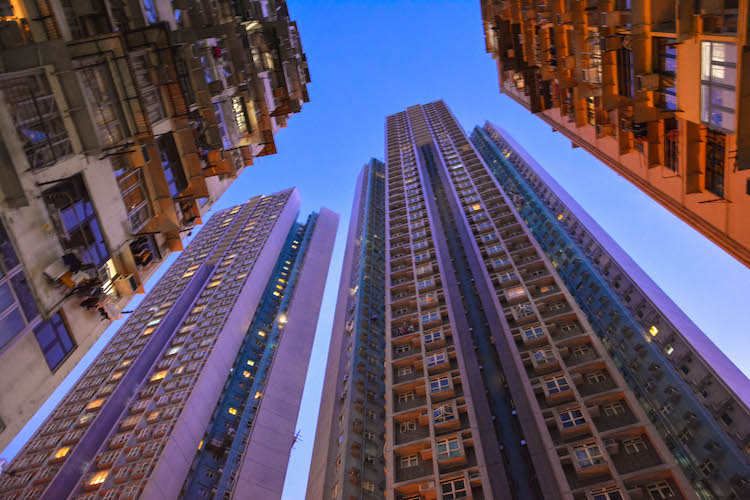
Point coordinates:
pixel 159 375
pixel 635 445
pixel 405 396
pixel 715 151
pixel 660 490
pixel 718 84
pixel 443 413
pixel 98 478
pixel 581 350
pixel 424 284
pixel 608 493
pixel 431 317
pixel 77 226
pixel 171 164
pixel 556 384
pixel 98 87
pixel 430 337
pixel 613 409
pixel 409 461
pixel 542 357
pixel 409 426
pixel 505 277
pixel 238 106
pixel 625 85
pixel 54 340
pixel 403 371
pixel 533 333
pixel 570 327
pixel 440 384
pixel 402 348
pixel 453 488
pixel 515 292
pixel 588 455
pixel 435 359
pixel 593 378
pixel 571 417
pixel 666 54
pixel 448 448
pixel 39 125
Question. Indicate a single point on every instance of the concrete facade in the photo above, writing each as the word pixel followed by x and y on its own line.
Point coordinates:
pixel 140 116
pixel 136 422
pixel 654 90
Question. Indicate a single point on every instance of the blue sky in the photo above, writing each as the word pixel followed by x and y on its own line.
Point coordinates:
pixel 372 58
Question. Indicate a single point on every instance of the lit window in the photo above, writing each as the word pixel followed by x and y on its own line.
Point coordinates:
pixel 188 274
pixel 246 374
pixel 718 84
pixel 515 292
pixel 116 375
pixel 653 331
pixel 233 411
pixel 148 331
pixel 95 404
pixel 62 452
pixel 251 362
pixel 98 478
pixel 213 284
pixel 159 375
pixel 476 206
pixel 261 333
pixel 153 416
pixel 258 395
pixel 588 455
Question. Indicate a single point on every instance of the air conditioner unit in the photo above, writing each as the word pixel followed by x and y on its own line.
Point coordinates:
pixel 427 485
pixel 126 285
pixel 648 83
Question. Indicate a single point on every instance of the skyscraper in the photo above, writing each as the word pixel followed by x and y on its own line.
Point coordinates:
pixel 198 392
pixel 120 127
pixel 652 90
pixel 515 368
pixel 348 451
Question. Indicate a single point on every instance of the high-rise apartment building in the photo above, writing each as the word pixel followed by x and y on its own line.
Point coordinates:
pixel 348 456
pixel 526 355
pixel 120 125
pixel 197 394
pixel 651 89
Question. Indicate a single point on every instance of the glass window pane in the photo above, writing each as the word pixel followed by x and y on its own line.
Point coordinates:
pixel 10 325
pixel 54 355
pixel 45 335
pixel 722 97
pixel 7 254
pixel 6 297
pixel 705 60
pixel 724 52
pixel 723 119
pixel 23 293
pixel 724 75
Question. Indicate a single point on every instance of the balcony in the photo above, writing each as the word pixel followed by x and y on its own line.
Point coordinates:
pixel 409 436
pixel 421 470
pixel 577 359
pixel 605 423
pixel 587 389
pixel 626 463
pixel 408 405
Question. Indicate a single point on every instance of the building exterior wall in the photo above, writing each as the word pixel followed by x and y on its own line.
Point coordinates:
pixel 662 353
pixel 147 112
pixel 133 423
pixel 347 455
pixel 654 90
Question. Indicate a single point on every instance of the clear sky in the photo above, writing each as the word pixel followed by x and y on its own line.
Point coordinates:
pixel 372 58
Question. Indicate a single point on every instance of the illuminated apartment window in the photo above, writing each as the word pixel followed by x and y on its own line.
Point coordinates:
pixel 232 411
pixel 159 375
pixel 62 452
pixel 98 478
pixel 718 84
pixel 440 384
pixel 95 404
pixel 435 359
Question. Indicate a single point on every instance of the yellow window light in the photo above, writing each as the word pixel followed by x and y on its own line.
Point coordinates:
pixel 233 411
pixel 200 445
pixel 476 206
pixel 153 416
pixel 251 362
pixel 653 331
pixel 279 287
pixel 159 375
pixel 95 404
pixel 261 333
pixel 282 319
pixel 277 294
pixel 257 395
pixel 246 374
pixel 98 478
pixel 188 274
pixel 560 217
pixel 62 452
pixel 116 375
pixel 148 331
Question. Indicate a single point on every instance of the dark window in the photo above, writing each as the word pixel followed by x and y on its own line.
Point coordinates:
pixel 671 145
pixel 625 72
pixel 54 340
pixel 715 142
pixel 666 54
pixel 726 419
pixel 170 162
pixel 79 229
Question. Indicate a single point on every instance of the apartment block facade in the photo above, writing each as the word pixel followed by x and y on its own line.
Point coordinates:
pixel 348 460
pixel 120 125
pixel 506 374
pixel 197 394
pixel 696 397
pixel 653 89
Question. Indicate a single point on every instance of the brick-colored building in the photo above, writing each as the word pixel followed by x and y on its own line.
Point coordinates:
pixel 198 393
pixel 120 125
pixel 526 356
pixel 653 89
